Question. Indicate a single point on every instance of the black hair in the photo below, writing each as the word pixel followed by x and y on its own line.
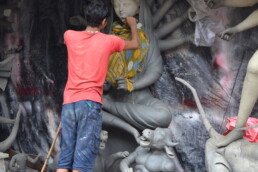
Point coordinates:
pixel 95 11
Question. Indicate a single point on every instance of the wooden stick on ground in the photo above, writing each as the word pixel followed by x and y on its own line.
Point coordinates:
pixel 51 148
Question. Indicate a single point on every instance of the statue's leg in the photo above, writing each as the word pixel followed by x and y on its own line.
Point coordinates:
pixel 247 102
pixel 114 121
pixel 153 113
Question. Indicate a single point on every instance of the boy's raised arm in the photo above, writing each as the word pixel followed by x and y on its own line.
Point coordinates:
pixel 134 42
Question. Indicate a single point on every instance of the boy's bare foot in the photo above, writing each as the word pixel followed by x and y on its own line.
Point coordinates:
pixel 231 137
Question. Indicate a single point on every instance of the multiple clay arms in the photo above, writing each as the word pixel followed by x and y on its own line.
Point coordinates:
pixel 161 30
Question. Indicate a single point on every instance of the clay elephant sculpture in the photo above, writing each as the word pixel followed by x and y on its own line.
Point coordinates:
pixel 239 156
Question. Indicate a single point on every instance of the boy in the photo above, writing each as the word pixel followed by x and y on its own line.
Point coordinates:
pixel 88 53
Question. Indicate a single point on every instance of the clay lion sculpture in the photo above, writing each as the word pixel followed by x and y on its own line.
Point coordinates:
pixel 155 153
pixel 239 156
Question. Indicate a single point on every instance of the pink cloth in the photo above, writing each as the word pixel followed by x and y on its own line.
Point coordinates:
pixel 250 134
pixel 87 64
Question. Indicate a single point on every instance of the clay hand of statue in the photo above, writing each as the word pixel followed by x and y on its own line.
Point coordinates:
pixel 214 3
pixel 106 85
pixel 121 83
pixel 124 154
pixel 228 33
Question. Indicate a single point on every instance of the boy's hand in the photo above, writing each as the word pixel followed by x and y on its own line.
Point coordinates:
pixel 131 21
pixel 123 154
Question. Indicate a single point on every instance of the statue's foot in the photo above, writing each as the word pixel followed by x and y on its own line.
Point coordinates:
pixel 231 137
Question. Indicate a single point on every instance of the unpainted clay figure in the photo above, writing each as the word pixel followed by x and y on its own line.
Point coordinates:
pixel 103 165
pixel 249 91
pixel 130 98
pixel 139 107
pixel 238 156
pixel 155 153
pixel 18 162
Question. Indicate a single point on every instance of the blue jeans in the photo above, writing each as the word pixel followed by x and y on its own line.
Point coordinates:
pixel 80 136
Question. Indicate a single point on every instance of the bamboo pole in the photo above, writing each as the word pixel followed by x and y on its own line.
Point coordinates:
pixel 51 148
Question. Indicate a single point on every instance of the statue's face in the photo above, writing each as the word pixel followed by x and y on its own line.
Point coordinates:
pixel 146 138
pixel 103 139
pixel 125 8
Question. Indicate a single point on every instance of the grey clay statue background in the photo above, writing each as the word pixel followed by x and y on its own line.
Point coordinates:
pixel 33 74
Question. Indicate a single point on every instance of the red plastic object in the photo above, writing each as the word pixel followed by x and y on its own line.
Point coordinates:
pixel 249 134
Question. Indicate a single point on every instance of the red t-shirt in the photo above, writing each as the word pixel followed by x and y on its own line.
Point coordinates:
pixel 87 64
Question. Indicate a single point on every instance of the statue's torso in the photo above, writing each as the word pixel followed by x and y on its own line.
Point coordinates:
pixel 154 161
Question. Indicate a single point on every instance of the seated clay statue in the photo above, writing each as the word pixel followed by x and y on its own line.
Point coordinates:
pixel 18 162
pixel 249 91
pixel 155 153
pixel 130 99
pixel 131 72
pixel 238 156
pixel 7 143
